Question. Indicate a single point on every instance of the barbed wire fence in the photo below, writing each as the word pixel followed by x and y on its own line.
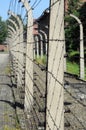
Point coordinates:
pixel 39 93
pixel 21 53
pixel 55 112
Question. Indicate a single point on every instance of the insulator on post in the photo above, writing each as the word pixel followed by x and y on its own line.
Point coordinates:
pixel 19 1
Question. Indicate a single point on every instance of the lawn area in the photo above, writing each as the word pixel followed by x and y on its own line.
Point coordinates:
pixel 73 68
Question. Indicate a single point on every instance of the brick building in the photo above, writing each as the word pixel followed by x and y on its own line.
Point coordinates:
pixel 41 32
pixel 3 48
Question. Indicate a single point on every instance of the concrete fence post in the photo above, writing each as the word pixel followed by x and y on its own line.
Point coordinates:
pixel 15 40
pixel 37 45
pixel 44 40
pixel 29 59
pixel 65 59
pixel 55 71
pixel 11 37
pixel 19 50
pixel 41 44
pixel 82 70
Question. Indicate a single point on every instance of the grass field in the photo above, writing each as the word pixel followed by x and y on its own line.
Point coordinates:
pixel 73 68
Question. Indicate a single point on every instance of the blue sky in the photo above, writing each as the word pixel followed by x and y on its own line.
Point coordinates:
pixel 4 6
pixel 42 6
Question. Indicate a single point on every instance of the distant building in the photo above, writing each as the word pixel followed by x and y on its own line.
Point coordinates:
pixel 66 5
pixel 42 23
pixel 3 48
pixel 35 27
pixel 41 33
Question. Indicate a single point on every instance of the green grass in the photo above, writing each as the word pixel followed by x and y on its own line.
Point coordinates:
pixel 73 53
pixel 6 127
pixel 73 68
pixel 7 121
pixel 7 70
pixel 41 60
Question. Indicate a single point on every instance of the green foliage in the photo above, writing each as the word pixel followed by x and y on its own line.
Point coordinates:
pixel 73 5
pixel 3 31
pixel 73 68
pixel 74 56
pixel 71 34
pixel 82 16
pixel 6 127
pixel 72 30
pixel 73 53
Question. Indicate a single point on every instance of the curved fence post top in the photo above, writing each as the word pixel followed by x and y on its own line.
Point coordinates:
pixel 11 28
pixel 14 23
pixel 11 13
pixel 81 47
pixel 75 17
pixel 14 15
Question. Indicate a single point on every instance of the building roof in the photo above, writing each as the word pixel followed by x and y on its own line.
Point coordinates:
pixel 44 14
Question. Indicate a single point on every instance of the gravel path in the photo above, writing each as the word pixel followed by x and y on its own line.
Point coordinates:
pixel 75 104
pixel 7 106
pixel 74 101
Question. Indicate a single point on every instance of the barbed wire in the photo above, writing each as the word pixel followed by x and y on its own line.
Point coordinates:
pixel 16 54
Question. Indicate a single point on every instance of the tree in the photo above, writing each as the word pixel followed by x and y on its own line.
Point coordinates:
pixel 73 6
pixel 3 31
pixel 82 16
pixel 71 26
